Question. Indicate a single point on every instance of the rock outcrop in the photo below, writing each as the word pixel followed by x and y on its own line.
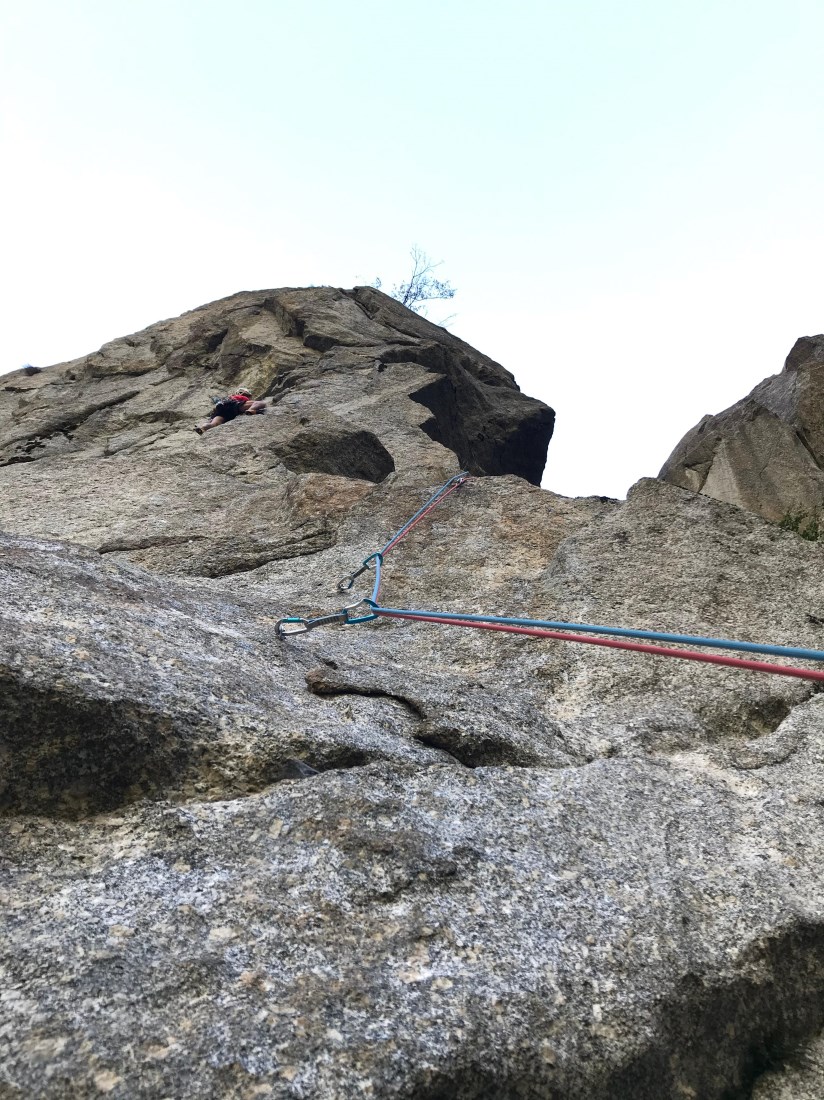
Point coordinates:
pixel 358 387
pixel 765 453
pixel 395 860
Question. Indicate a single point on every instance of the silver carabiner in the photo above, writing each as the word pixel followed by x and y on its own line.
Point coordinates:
pixel 298 626
pixel 351 619
pixel 346 584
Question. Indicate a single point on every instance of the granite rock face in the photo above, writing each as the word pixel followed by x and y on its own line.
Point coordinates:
pixel 398 860
pixel 765 453
pixel 357 387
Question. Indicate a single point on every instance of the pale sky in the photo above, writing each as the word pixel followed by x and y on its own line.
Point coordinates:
pixel 627 196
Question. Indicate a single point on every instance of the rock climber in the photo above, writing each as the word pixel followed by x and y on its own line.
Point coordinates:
pixel 227 408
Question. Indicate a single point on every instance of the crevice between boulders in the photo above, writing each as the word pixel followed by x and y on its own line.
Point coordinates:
pixel 323 682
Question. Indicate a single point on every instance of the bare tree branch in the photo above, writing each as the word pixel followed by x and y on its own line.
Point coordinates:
pixel 421 286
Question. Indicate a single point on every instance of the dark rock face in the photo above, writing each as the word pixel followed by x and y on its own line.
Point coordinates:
pixel 340 451
pixel 482 434
pixel 391 859
pixel 799 1078
pixel 765 453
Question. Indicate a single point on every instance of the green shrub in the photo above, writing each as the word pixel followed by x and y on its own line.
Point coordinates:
pixel 802 523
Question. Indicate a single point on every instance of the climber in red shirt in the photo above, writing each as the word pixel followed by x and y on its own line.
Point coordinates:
pixel 229 407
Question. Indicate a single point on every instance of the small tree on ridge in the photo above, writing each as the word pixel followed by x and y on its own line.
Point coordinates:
pixel 421 286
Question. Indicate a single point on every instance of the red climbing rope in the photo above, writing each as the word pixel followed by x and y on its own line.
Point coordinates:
pixel 451 486
pixel 637 647
pixel 368 608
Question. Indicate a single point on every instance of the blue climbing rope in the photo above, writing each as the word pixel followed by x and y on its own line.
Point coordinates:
pixel 369 607
pixel 616 631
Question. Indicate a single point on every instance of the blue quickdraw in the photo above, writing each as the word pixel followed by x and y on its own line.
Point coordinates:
pixel 374 610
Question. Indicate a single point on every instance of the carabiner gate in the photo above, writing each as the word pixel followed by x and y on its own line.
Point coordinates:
pixel 346 583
